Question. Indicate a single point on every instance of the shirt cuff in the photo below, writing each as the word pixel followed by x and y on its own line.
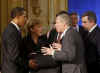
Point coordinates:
pixel 53 53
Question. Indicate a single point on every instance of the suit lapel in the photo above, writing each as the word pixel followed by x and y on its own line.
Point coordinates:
pixel 17 31
pixel 66 34
pixel 93 33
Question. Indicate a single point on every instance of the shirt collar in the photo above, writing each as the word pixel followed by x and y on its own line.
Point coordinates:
pixel 63 34
pixel 15 25
pixel 77 27
pixel 93 28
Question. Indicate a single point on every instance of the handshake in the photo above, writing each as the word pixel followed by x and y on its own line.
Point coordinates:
pixel 33 64
pixel 52 48
pixel 42 61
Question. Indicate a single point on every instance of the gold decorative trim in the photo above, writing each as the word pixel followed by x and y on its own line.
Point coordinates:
pixel 48 11
pixel 66 5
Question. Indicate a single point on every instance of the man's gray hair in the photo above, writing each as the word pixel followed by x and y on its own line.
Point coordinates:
pixel 65 18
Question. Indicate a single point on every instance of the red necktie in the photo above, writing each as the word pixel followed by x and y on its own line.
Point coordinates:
pixel 59 38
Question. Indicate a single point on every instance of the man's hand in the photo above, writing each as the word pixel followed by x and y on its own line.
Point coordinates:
pixel 47 51
pixel 32 64
pixel 57 46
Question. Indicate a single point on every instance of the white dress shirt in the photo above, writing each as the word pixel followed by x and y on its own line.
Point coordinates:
pixel 15 25
pixel 77 27
pixel 93 28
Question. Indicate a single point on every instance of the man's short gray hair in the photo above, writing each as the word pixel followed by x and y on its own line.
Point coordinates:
pixel 65 18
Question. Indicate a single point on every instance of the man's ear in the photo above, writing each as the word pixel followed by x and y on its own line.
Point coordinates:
pixel 65 25
pixel 92 21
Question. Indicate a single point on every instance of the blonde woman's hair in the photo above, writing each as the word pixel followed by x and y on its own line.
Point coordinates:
pixel 31 23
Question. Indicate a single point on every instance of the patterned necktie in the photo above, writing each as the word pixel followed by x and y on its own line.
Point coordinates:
pixel 59 38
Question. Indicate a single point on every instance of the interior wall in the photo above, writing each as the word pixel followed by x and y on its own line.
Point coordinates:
pixel 44 10
pixel 4 14
pixel 0 21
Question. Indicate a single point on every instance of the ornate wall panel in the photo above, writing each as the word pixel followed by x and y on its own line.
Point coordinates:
pixel 38 9
pixel 56 6
pixel 45 10
pixel 0 23
pixel 14 3
pixel 0 19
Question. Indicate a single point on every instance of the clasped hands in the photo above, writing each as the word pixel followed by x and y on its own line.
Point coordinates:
pixel 53 47
pixel 33 64
pixel 46 51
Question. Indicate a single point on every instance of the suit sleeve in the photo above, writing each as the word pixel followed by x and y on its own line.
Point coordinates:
pixel 14 51
pixel 98 46
pixel 45 61
pixel 67 52
pixel 12 46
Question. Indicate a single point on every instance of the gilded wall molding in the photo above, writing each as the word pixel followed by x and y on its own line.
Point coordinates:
pixel 56 6
pixel 44 10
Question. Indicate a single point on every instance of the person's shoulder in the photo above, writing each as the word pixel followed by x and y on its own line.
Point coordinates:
pixel 10 26
pixel 72 30
pixel 73 33
pixel 7 29
pixel 10 30
pixel 97 30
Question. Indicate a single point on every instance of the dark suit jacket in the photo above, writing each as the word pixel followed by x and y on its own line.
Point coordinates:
pixel 82 32
pixel 12 52
pixel 72 53
pixel 52 36
pixel 45 63
pixel 92 52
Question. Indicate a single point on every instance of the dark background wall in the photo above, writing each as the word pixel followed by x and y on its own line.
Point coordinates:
pixel 80 6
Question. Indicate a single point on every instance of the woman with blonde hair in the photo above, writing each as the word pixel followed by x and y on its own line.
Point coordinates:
pixel 33 42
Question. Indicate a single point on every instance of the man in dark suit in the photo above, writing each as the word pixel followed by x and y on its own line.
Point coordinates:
pixel 75 19
pixel 12 53
pixel 71 50
pixel 92 42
